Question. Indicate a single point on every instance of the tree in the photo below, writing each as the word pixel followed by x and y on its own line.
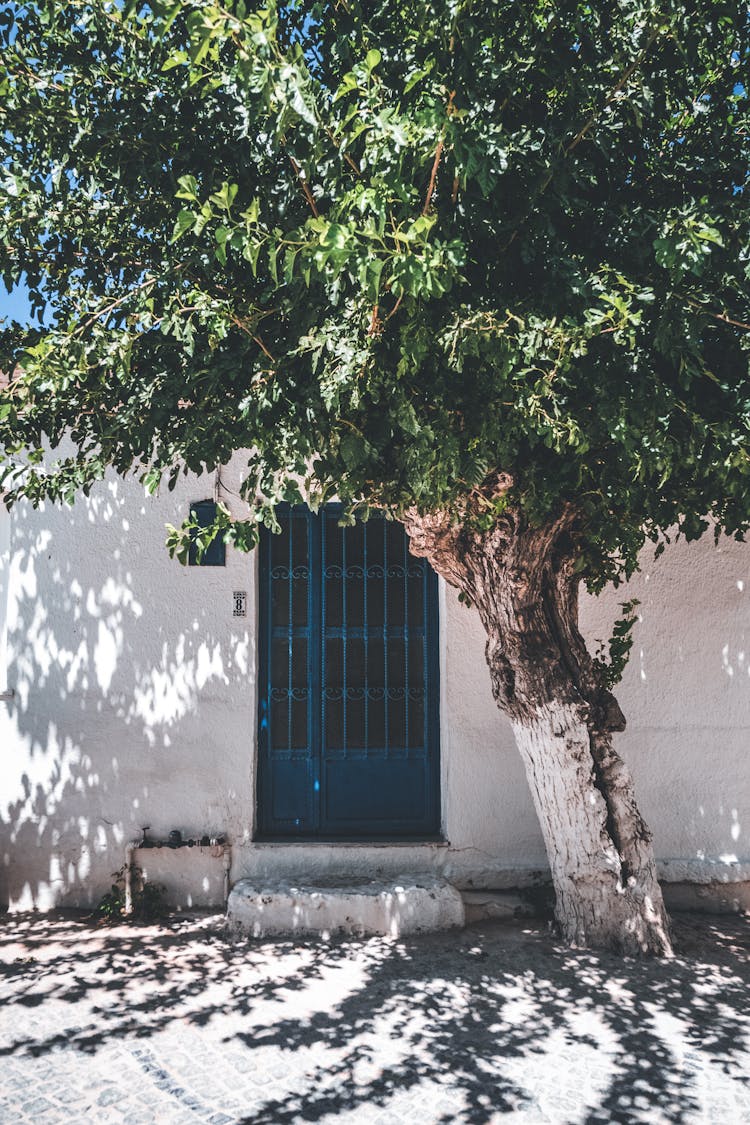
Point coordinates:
pixel 483 266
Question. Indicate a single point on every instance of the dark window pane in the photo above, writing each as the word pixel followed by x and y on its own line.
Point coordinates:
pixel 290 573
pixel 286 673
pixel 416 717
pixel 375 573
pixel 355 719
pixel 333 729
pixel 415 596
pixel 279 601
pixel 376 662
pixel 376 720
pixel 300 564
pixel 395 596
pixel 346 662
pixel 289 721
pixel 334 603
pixel 416 662
pixel 332 540
pixel 289 600
pixel 300 527
pixel 334 665
pixel 396 663
pixel 397 720
pixel 375 602
pixel 356 662
pixel 354 609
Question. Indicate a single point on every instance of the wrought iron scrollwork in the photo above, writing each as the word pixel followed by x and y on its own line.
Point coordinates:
pixel 279 695
pixel 285 573
pixel 334 571
pixel 357 694
pixel 415 570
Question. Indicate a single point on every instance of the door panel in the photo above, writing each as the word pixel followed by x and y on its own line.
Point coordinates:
pixel 349 663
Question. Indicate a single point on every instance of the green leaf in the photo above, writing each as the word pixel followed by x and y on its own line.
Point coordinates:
pixel 352 449
pixel 220 236
pixel 225 196
pixel 374 273
pixel 250 252
pixel 177 58
pixel 373 58
pixel 290 257
pixel 188 188
pixel 151 480
pixel 184 221
pixel 251 213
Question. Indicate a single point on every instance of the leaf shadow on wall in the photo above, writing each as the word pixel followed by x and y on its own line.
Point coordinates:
pixel 130 689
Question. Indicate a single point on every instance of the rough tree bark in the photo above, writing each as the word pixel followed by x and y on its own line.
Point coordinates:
pixel 522 581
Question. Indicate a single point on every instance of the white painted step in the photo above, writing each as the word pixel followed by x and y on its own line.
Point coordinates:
pixel 408 904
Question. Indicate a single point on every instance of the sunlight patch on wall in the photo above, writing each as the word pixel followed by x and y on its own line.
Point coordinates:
pixel 169 692
pixel 106 651
pixel 242 656
pixel 734 662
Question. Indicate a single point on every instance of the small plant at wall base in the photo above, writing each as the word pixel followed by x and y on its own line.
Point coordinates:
pixel 147 899
pixel 485 267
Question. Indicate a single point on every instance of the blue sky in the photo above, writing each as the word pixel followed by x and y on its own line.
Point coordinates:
pixel 15 305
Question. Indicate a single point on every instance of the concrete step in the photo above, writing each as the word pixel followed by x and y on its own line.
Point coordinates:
pixel 393 907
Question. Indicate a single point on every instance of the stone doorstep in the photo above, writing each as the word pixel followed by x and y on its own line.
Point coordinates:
pixel 405 905
pixel 418 904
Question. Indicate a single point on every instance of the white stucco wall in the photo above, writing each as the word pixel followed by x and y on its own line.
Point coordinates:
pixel 135 705
pixel 4 591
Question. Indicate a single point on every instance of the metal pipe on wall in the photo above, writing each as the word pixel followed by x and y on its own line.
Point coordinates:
pixel 215 848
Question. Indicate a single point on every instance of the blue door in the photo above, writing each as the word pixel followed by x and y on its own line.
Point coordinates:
pixel 349 707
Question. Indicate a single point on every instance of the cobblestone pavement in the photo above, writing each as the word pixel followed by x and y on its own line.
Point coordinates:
pixel 176 1024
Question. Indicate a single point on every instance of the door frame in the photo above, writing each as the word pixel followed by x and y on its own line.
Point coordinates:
pixel 429 827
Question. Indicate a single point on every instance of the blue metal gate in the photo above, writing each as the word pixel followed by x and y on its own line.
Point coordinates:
pixel 349 707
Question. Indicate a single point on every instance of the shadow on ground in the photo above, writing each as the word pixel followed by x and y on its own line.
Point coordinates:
pixel 465 1026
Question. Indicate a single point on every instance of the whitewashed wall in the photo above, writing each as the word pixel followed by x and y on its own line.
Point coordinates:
pixel 135 705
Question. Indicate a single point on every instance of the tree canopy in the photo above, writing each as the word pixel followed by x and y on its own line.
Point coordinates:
pixel 393 249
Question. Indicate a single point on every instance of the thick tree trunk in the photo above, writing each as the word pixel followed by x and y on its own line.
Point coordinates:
pixel 522 581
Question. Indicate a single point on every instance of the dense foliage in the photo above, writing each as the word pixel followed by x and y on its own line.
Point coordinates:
pixel 390 247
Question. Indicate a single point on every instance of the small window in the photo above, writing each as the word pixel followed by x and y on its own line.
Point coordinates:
pixel 204 513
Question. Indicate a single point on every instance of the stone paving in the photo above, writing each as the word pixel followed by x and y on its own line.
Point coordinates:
pixel 176 1024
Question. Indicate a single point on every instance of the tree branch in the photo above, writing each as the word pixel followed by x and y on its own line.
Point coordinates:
pixel 304 185
pixel 717 316
pixel 396 307
pixel 626 75
pixel 115 304
pixel 436 161
pixel 248 332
